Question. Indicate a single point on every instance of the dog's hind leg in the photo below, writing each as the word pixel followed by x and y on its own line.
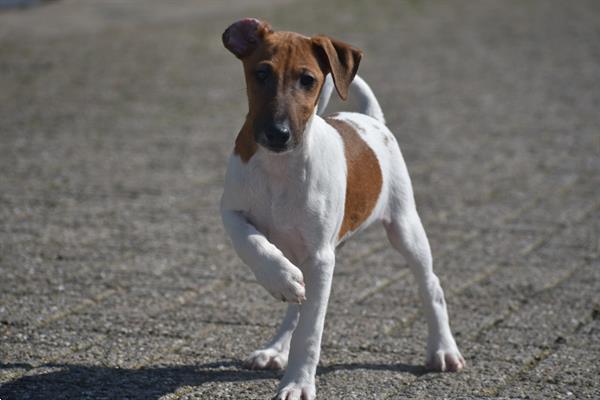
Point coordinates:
pixel 407 235
pixel 274 355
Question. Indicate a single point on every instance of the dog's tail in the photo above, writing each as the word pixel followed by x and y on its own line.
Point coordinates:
pixel 367 101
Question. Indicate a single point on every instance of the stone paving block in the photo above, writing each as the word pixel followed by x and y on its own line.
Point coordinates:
pixel 30 310
pixel 30 350
pixel 578 241
pixel 535 332
pixel 237 302
pixel 136 310
pixel 567 373
pixel 379 374
pixel 565 207
pixel 509 289
pixel 374 334
pixel 51 276
pixel 468 384
pixel 369 240
pixel 563 313
pixel 586 336
pixel 479 255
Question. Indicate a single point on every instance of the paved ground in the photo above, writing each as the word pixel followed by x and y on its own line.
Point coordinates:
pixel 116 279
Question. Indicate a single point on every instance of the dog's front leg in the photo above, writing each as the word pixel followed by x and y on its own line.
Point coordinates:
pixel 271 268
pixel 274 355
pixel 299 379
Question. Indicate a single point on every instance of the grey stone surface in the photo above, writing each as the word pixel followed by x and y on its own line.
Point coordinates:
pixel 116 278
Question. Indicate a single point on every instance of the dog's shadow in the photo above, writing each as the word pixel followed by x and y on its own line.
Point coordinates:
pixel 66 381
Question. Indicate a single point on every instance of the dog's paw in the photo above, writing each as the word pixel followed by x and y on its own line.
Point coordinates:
pixel 267 359
pixel 297 391
pixel 445 359
pixel 286 284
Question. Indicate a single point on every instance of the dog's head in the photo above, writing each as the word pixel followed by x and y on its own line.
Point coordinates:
pixel 284 73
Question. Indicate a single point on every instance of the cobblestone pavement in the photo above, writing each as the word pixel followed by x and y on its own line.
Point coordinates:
pixel 116 278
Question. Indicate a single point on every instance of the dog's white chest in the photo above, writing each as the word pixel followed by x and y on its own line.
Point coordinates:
pixel 278 209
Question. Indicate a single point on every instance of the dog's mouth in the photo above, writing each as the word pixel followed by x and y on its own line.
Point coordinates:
pixel 276 148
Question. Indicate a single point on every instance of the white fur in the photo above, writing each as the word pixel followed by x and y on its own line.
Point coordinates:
pixel 283 213
pixel 368 103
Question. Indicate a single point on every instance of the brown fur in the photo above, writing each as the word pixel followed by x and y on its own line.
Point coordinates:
pixel 342 61
pixel 245 146
pixel 364 180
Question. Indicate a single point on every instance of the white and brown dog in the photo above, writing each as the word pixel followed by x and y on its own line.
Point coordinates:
pixel 298 185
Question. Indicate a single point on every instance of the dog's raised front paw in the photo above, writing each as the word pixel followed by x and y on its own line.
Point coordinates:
pixel 445 359
pixel 297 391
pixel 285 284
pixel 267 359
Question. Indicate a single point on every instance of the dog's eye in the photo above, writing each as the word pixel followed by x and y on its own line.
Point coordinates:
pixel 261 75
pixel 307 81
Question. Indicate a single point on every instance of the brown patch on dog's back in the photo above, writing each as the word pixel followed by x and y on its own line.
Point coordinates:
pixel 245 145
pixel 364 179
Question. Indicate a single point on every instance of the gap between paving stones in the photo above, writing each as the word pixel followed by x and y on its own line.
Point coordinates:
pixel 539 356
pixel 85 303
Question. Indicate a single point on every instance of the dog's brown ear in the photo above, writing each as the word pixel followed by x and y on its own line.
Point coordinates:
pixel 244 36
pixel 340 59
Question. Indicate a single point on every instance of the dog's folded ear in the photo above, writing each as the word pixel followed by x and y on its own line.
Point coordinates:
pixel 340 59
pixel 244 36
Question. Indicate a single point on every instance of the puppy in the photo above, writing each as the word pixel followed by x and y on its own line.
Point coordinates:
pixel 298 185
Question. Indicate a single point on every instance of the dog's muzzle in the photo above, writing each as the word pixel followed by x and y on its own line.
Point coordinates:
pixel 276 137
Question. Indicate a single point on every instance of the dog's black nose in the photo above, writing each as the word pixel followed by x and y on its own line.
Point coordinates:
pixel 278 134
